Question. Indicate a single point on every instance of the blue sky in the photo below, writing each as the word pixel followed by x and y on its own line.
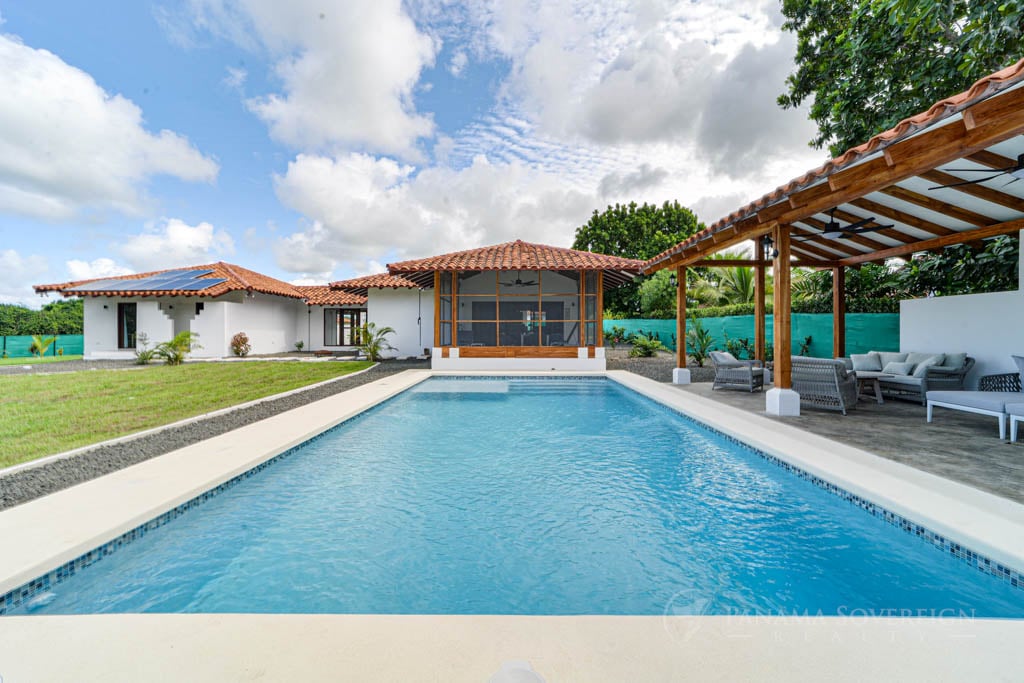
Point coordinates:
pixel 319 140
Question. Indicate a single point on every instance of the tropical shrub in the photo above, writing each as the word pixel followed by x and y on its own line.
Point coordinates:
pixel 175 351
pixel 645 347
pixel 240 345
pixel 299 345
pixel 143 353
pixel 698 341
pixel 616 335
pixel 373 340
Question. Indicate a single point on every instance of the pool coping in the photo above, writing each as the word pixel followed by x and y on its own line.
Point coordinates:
pixel 44 533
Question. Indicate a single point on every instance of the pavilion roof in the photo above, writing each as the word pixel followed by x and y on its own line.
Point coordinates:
pixel 519 255
pixel 897 179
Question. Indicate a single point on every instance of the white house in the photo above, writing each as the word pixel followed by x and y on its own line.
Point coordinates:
pixel 218 300
pixel 509 306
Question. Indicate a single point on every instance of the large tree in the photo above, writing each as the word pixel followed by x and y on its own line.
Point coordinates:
pixel 639 232
pixel 866 64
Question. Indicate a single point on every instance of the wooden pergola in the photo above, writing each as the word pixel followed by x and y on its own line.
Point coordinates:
pixel 896 179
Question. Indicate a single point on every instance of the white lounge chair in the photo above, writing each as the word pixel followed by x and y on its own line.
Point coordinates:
pixel 995 395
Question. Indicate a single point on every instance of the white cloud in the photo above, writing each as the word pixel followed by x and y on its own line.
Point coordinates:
pixel 67 147
pixel 348 70
pixel 17 275
pixel 458 63
pixel 175 243
pixel 363 208
pixel 101 267
pixel 235 78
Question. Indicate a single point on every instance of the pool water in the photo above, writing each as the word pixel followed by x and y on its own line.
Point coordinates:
pixel 528 496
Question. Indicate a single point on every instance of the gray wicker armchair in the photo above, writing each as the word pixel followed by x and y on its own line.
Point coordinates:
pixel 731 373
pixel 936 378
pixel 824 383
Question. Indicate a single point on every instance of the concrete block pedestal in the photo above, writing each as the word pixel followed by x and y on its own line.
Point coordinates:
pixel 680 376
pixel 782 402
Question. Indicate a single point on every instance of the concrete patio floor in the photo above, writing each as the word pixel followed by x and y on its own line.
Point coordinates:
pixel 959 446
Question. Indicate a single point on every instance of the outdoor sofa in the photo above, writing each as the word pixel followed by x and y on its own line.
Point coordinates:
pixel 824 383
pixel 914 374
pixel 998 395
pixel 732 373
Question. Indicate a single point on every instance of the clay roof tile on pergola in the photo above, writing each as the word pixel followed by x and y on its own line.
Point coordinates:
pixel 520 255
pixel 896 178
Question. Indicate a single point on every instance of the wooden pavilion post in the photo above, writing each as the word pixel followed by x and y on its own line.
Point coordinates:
pixel 681 317
pixel 759 307
pixel 838 312
pixel 783 332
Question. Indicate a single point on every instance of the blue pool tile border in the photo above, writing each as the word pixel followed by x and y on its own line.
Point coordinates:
pixel 24 593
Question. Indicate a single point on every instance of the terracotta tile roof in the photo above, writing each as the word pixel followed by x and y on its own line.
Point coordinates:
pixel 941 110
pixel 381 280
pixel 235 278
pixel 325 295
pixel 518 255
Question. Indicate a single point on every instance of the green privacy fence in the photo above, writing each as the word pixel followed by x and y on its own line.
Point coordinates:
pixel 864 331
pixel 17 347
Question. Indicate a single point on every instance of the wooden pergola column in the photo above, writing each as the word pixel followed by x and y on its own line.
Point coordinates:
pixel 759 307
pixel 681 317
pixel 838 312
pixel 783 334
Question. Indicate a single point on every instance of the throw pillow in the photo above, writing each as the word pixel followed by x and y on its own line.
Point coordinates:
pixel 921 368
pixel 895 368
pixel 954 361
pixel 886 357
pixel 916 357
pixel 866 362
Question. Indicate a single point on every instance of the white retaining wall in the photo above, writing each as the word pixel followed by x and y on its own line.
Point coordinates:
pixel 988 327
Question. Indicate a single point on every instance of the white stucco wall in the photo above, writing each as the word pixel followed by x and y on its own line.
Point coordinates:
pixel 210 324
pixel 400 308
pixel 100 326
pixel 269 321
pixel 988 327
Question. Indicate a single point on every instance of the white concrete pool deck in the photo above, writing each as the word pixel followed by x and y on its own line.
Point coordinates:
pixel 43 534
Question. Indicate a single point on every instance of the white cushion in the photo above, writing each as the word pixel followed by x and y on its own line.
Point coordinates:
pixel 896 368
pixel 868 362
pixel 922 367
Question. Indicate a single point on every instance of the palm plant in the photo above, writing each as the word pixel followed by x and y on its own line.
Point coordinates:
pixel 373 340
pixel 174 351
pixel 39 345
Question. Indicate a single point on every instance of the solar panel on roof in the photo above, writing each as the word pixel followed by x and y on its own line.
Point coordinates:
pixel 199 285
pixel 184 280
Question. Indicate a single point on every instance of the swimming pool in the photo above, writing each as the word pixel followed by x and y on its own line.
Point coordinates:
pixel 528 496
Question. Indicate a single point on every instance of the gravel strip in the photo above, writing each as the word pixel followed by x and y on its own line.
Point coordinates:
pixel 68 366
pixel 25 485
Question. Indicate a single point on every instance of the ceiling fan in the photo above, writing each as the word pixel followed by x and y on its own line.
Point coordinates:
pixel 1016 171
pixel 833 230
pixel 520 282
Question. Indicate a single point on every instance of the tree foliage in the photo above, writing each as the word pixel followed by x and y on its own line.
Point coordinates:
pixel 56 317
pixel 639 232
pixel 864 65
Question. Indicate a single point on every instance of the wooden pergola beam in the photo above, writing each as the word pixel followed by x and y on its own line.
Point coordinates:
pixel 939 206
pixel 979 191
pixel 902 217
pixel 891 233
pixel 990 159
pixel 748 263
pixel 939 242
pixel 862 240
pixel 992 121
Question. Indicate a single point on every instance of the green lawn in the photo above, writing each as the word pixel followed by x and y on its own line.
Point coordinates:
pixel 35 360
pixel 45 414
